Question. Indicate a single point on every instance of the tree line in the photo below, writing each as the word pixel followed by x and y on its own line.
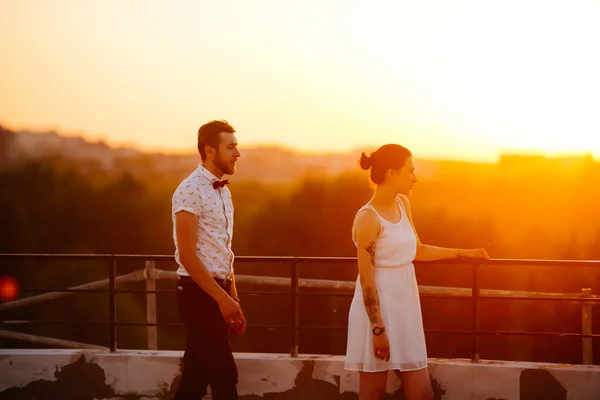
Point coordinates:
pixel 57 206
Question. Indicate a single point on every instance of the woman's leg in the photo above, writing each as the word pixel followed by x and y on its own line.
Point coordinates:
pixel 416 384
pixel 372 385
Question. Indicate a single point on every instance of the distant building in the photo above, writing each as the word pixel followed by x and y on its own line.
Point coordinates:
pixel 48 144
pixel 8 148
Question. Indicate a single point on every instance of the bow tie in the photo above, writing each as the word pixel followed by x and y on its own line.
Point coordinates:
pixel 220 184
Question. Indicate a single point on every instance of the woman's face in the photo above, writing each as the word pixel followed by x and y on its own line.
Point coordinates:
pixel 405 177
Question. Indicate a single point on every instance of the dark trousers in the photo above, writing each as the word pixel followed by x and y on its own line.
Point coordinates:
pixel 208 359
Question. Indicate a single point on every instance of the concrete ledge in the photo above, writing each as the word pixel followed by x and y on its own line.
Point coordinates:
pixel 132 375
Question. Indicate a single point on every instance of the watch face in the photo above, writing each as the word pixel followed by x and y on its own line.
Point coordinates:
pixel 378 330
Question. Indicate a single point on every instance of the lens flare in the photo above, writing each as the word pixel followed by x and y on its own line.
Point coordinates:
pixel 9 288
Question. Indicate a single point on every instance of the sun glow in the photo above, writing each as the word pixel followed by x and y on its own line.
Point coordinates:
pixel 462 79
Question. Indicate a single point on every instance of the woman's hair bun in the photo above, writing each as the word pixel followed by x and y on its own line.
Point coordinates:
pixel 365 161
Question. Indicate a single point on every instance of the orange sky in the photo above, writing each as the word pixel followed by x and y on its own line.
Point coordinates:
pixel 447 79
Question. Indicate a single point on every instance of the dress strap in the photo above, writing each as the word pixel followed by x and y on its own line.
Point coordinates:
pixel 370 207
pixel 401 205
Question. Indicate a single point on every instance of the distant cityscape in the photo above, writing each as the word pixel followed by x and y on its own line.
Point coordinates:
pixel 265 164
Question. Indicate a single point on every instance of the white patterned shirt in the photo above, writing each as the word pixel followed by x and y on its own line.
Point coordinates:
pixel 214 209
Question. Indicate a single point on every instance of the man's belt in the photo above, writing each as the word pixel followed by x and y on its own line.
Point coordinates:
pixel 224 283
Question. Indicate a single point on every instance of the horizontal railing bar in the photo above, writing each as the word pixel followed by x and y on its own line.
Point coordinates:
pixel 444 331
pixel 520 333
pixel 143 291
pixel 536 262
pixel 594 299
pixel 88 257
pixel 304 327
pixel 169 258
pixel 47 341
pixel 107 323
pixel 430 291
pixel 135 276
pixel 264 293
pixel 140 291
pixel 335 294
pixel 83 322
pixel 310 294
pixel 508 296
pixel 329 260
pixel 559 334
pixel 272 280
pixel 426 291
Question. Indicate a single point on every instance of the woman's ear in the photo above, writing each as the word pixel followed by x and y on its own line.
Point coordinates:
pixel 390 174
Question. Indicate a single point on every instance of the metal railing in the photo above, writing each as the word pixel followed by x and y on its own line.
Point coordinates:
pixel 150 274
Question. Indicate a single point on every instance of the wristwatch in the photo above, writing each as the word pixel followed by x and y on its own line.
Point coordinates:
pixel 378 330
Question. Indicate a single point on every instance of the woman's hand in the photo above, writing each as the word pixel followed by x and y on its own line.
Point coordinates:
pixel 473 253
pixel 381 346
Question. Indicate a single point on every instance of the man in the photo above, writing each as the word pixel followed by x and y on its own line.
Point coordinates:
pixel 206 294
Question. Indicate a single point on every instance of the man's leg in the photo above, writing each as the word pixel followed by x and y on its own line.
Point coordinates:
pixel 194 381
pixel 224 375
pixel 210 354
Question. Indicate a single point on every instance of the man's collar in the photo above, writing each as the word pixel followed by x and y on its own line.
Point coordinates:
pixel 207 174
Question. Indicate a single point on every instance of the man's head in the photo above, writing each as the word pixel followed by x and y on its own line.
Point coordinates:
pixel 217 146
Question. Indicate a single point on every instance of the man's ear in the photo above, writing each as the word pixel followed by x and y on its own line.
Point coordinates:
pixel 209 151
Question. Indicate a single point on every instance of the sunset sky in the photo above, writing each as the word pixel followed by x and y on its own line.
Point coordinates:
pixel 453 79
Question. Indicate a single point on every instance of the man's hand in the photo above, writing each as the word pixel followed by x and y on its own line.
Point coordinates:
pixel 232 313
pixel 238 328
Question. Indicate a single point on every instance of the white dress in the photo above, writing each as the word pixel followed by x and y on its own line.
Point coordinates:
pixel 395 250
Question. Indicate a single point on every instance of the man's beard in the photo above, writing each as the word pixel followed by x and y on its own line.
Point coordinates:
pixel 223 166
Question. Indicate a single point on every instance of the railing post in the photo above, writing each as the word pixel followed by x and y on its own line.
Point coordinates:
pixel 586 327
pixel 112 275
pixel 152 330
pixel 295 307
pixel 475 315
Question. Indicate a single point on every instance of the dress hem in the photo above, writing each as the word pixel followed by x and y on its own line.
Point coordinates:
pixel 390 368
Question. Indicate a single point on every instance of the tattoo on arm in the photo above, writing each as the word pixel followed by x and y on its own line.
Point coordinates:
pixel 371 304
pixel 371 250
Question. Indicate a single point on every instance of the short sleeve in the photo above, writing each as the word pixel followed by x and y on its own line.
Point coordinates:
pixel 186 199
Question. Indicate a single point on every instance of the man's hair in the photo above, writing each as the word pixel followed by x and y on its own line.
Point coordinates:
pixel 208 135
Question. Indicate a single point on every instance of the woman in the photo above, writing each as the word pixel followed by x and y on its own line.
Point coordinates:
pixel 385 328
